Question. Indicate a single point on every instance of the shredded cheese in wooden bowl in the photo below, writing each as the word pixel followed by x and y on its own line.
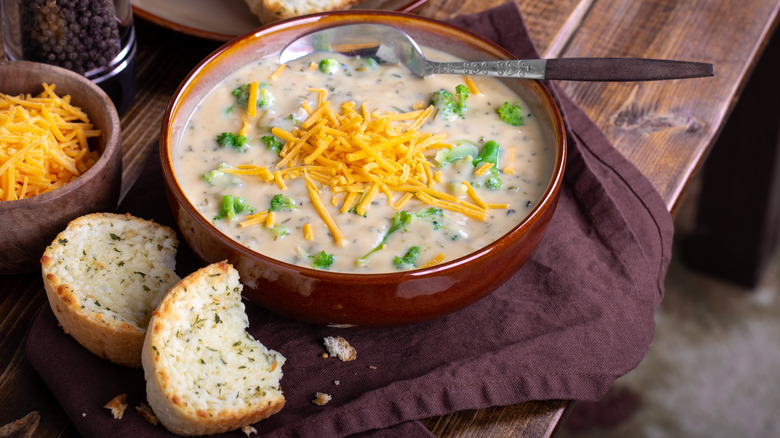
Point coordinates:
pixel 43 143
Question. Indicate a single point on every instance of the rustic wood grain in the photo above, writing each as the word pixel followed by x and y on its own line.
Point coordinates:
pixel 163 60
pixel 24 427
pixel 551 24
pixel 665 129
pixel 529 419
pixel 21 389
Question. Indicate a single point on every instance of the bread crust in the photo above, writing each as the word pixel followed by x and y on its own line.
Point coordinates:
pixel 108 337
pixel 268 11
pixel 118 342
pixel 117 406
pixel 169 399
pixel 339 347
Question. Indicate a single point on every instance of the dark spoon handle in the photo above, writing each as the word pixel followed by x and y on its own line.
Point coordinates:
pixel 624 69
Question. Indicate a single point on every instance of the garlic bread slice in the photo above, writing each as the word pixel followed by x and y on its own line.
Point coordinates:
pixel 204 373
pixel 104 275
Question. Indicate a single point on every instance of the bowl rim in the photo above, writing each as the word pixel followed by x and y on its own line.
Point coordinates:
pixel 113 140
pixel 327 19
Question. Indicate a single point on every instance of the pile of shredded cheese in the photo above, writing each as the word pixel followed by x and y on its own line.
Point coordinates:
pixel 358 154
pixel 43 143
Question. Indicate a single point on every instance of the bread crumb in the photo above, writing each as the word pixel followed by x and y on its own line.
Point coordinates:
pixel 117 405
pixel 248 430
pixel 321 399
pixel 372 367
pixel 339 347
pixel 83 414
pixel 336 382
pixel 324 355
pixel 146 413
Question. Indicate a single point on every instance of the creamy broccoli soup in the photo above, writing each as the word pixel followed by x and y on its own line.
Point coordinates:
pixel 338 163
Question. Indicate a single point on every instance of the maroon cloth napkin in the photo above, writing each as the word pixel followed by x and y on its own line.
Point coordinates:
pixel 578 315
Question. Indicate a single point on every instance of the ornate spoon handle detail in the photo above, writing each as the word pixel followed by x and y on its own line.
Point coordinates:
pixel 579 69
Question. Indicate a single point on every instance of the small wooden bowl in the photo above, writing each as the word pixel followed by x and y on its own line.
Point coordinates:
pixel 29 225
pixel 344 299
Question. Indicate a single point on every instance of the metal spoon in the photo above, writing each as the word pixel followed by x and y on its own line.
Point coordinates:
pixel 391 45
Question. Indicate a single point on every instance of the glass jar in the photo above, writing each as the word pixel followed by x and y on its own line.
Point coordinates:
pixel 95 38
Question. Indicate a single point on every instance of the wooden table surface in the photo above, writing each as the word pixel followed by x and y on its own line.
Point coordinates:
pixel 665 128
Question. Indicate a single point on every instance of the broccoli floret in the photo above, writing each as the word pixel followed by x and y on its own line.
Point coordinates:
pixel 279 231
pixel 460 151
pixel 450 106
pixel 441 97
pixel 329 65
pixel 400 221
pixel 229 139
pixel 281 202
pixel 242 94
pixel 510 114
pixel 443 102
pixel 494 179
pixel 369 63
pixel 273 142
pixel 209 176
pixel 432 214
pixel 322 260
pixel 461 93
pixel 489 154
pixel 409 260
pixel 264 96
pixel 231 205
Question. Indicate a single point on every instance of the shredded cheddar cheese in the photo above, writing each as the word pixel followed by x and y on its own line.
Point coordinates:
pixel 470 83
pixel 245 125
pixel 251 106
pixel 270 219
pixel 278 72
pixel 361 154
pixel 473 195
pixel 435 261
pixel 308 232
pixel 43 143
pixel 338 236
pixel 253 219
pixel 483 168
pixel 508 168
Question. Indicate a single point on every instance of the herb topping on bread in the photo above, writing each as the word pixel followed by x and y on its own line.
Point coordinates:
pixel 104 275
pixel 204 373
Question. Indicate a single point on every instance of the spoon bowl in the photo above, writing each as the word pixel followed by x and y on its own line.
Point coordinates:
pixel 388 44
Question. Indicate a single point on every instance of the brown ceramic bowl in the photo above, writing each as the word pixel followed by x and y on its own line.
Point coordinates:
pixel 29 225
pixel 333 298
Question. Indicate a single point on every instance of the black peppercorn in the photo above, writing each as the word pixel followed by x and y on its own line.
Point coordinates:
pixel 80 35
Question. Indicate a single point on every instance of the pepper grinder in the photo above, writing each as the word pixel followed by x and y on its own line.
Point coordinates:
pixel 95 38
